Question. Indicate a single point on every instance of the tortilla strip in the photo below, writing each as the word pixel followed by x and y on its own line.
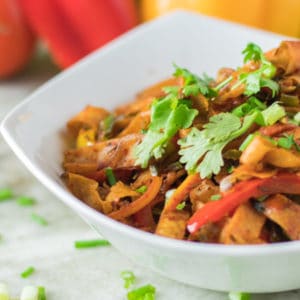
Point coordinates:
pixel 86 190
pixel 88 118
pixel 284 212
pixel 244 227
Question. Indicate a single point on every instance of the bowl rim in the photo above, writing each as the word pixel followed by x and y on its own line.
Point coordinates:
pixel 65 195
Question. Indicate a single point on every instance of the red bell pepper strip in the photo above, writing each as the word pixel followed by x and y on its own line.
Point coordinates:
pixel 214 211
pixel 73 29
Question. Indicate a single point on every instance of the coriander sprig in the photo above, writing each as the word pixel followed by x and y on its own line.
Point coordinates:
pixel 259 78
pixel 168 115
pixel 193 84
pixel 201 151
pixel 207 145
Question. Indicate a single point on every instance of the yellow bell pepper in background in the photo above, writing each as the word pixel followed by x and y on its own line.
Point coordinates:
pixel 282 16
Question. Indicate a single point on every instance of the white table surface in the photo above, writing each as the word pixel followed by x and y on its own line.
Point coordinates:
pixel 67 273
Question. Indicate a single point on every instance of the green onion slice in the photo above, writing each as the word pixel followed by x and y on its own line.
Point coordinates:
pixel 26 273
pixel 91 243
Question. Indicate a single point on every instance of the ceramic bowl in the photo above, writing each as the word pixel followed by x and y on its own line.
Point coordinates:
pixel 113 75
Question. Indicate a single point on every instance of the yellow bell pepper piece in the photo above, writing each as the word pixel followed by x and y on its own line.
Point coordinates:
pixel 86 137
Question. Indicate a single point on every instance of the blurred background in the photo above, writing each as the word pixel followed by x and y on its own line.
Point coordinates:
pixel 64 31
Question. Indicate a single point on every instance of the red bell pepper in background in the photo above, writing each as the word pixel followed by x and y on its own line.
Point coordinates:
pixel 73 29
pixel 241 193
pixel 17 42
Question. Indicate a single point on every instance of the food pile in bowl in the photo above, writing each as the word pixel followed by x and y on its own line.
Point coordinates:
pixel 196 158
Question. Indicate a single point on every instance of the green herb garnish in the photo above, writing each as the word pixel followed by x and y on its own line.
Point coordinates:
pixel 5 194
pixel 146 292
pixel 272 114
pixel 251 105
pixel 25 201
pixel 41 293
pixel 193 84
pixel 181 206
pixel 26 273
pixel 129 278
pixel 297 118
pixel 259 78
pixel 110 176
pixel 216 197
pixel 142 189
pixel 230 169
pixel 246 142
pixel 39 219
pixel 91 243
pixel 107 125
pixel 287 142
pixel 238 296
pixel 168 115
pixel 209 142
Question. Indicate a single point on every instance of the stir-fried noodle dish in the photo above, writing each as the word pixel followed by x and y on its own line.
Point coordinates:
pixel 210 160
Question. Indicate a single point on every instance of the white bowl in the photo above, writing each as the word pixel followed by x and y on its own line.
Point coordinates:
pixel 112 76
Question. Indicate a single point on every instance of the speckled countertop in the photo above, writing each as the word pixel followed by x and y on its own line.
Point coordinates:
pixel 67 273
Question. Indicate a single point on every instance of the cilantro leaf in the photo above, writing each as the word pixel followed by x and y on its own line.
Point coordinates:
pixel 251 81
pixel 201 151
pixel 193 84
pixel 221 125
pixel 271 84
pixel 168 115
pixel 252 52
pixel 174 90
pixel 261 77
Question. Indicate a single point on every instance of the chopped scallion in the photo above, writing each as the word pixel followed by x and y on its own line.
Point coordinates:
pixel 146 292
pixel 4 294
pixel 223 84
pixel 41 293
pixel 238 296
pixel 107 124
pixel 180 206
pixel 142 189
pixel 25 201
pixel 273 114
pixel 230 169
pixel 215 197
pixel 5 194
pixel 29 271
pixel 91 243
pixel 129 278
pixel 246 142
pixel 110 176
pixel 29 293
pixel 286 142
pixel 39 219
pixel 297 118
